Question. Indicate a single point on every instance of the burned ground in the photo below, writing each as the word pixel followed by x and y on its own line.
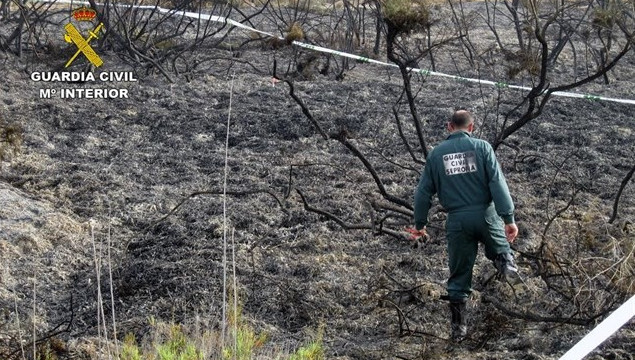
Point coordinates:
pixel 110 170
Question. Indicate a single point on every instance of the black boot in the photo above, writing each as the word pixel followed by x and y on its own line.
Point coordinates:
pixel 458 308
pixel 507 268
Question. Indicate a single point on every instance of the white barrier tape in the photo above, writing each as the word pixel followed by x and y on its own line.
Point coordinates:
pixel 201 16
pixel 601 332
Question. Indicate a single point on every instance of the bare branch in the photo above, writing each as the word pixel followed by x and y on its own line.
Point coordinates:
pixel 305 109
pixel 342 137
pixel 525 315
pixel 219 192
pixel 403 136
pixel 625 181
pixel 346 225
pixel 330 216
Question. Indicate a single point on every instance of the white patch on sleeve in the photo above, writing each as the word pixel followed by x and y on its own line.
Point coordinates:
pixel 459 163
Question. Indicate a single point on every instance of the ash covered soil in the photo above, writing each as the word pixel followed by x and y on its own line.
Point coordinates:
pixel 94 172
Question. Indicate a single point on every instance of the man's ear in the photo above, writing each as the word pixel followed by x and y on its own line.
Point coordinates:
pixel 450 126
pixel 470 127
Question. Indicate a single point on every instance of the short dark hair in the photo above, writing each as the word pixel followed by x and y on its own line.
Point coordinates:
pixel 461 118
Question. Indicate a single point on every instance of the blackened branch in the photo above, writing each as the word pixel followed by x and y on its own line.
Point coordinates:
pixel 220 192
pixel 344 224
pixel 525 315
pixel 342 137
pixel 625 181
pixel 330 216
pixel 305 110
pixel 403 136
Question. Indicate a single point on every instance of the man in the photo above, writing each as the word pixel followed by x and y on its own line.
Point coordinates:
pixel 463 171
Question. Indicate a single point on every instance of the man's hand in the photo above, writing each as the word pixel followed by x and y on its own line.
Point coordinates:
pixel 511 231
pixel 417 237
pixel 415 234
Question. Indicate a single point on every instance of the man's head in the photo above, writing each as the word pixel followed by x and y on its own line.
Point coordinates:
pixel 461 120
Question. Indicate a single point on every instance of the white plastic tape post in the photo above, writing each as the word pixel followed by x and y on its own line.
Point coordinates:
pixel 601 332
pixel 220 19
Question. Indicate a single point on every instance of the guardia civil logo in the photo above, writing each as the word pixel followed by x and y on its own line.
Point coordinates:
pixel 73 35
pixel 83 84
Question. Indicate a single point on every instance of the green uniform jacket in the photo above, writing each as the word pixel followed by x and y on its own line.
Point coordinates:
pixel 463 171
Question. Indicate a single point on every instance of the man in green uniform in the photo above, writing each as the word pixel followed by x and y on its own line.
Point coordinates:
pixel 468 180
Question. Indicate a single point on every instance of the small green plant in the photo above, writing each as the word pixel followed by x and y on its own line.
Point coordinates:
pixel 130 349
pixel 178 346
pixel 175 345
pixel 313 350
pixel 245 341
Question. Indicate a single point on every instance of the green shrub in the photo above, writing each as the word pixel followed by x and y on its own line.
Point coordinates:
pixel 404 16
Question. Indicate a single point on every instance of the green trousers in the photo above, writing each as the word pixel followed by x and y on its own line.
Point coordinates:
pixel 464 230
